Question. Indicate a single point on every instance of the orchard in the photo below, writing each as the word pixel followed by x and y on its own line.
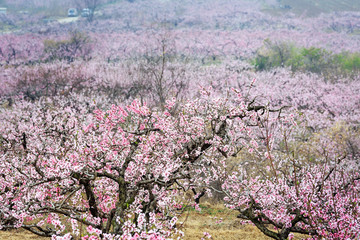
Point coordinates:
pixel 118 126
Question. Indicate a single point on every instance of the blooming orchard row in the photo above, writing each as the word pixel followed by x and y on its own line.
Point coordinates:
pixel 120 171
pixel 197 44
pixel 155 81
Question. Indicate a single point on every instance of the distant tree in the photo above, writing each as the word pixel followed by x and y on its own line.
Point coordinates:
pixel 90 4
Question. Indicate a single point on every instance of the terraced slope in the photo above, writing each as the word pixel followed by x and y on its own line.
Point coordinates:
pixel 315 7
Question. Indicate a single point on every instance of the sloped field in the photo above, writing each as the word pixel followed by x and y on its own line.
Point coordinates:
pixel 311 7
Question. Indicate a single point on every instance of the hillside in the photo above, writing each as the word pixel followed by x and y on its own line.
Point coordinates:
pixel 315 7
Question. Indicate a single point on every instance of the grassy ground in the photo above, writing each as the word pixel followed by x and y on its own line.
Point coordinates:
pixel 18 235
pixel 220 223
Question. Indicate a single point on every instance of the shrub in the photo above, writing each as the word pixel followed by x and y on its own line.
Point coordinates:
pixel 273 55
pixel 77 46
pixel 349 62
pixel 315 59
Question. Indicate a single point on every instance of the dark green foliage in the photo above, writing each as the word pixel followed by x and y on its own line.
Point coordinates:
pixel 315 60
pixel 273 55
pixel 349 61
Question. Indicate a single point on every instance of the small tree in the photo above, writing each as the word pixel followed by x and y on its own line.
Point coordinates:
pixel 77 46
pixel 315 193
